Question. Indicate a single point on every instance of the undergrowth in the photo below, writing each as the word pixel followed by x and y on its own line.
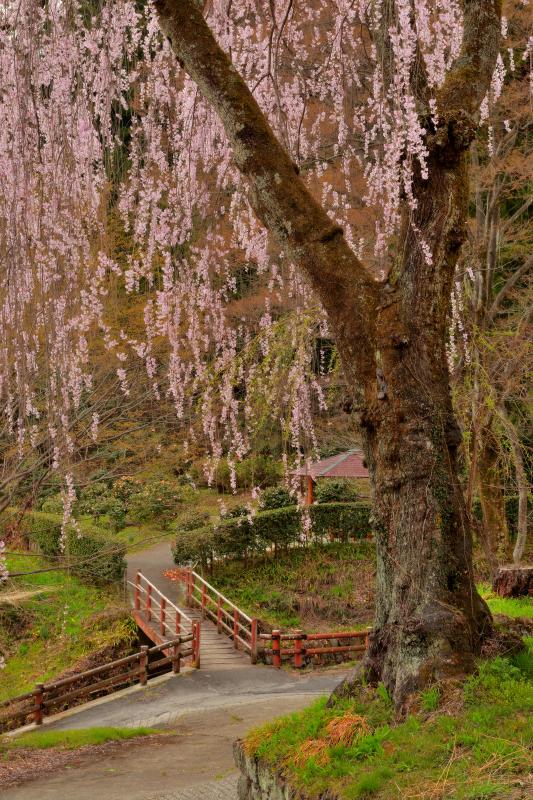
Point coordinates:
pixel 509 606
pixel 464 743
pixel 44 634
pixel 329 583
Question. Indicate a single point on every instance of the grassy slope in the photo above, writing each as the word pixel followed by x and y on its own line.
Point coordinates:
pixel 321 586
pixel 468 744
pixel 326 585
pixel 53 630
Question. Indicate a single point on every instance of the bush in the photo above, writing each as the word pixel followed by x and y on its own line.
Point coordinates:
pixel 102 557
pixel 340 520
pixel 116 512
pixel 124 487
pixel 94 500
pixel 192 520
pixel 235 513
pixel 275 497
pixel 277 528
pixel 254 471
pixel 335 490
pixel 159 501
pixel 53 504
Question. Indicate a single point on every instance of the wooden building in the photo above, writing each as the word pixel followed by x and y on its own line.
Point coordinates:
pixel 349 464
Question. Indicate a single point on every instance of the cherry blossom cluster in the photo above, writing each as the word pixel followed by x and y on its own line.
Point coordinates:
pixel 84 91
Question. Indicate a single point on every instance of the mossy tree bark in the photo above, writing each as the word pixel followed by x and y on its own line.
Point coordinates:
pixel 391 338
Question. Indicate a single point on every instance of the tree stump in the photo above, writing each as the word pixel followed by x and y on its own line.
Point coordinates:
pixel 513 581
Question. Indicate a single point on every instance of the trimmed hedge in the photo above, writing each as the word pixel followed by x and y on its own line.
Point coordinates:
pixel 102 557
pixel 275 529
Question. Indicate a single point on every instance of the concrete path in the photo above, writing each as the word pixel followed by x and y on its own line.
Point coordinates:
pixel 196 763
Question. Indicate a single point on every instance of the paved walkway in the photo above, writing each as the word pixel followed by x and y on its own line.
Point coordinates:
pixel 194 764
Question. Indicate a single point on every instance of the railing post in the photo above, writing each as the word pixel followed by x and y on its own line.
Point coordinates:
pixel 176 658
pixel 190 588
pixel 276 647
pixel 162 616
pixel 204 599
pixel 178 622
pixel 235 628
pixel 38 707
pixel 298 658
pixel 143 664
pixel 253 642
pixel 149 602
pixel 138 591
pixel 196 644
pixel 219 615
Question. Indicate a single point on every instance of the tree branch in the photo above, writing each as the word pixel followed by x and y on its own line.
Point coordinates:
pixel 509 284
pixel 278 195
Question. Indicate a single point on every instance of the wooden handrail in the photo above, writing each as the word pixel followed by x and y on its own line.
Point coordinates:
pixel 45 696
pixel 219 594
pixel 228 617
pixel 299 640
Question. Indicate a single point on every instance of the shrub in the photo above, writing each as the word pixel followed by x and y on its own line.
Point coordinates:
pixel 116 512
pixel 156 501
pixel 275 497
pixel 53 504
pixel 257 470
pixel 124 487
pixel 192 520
pixel 235 512
pixel 101 557
pixel 94 500
pixel 340 520
pixel 277 528
pixel 335 490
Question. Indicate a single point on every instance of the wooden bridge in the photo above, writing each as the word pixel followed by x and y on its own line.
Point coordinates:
pixel 213 633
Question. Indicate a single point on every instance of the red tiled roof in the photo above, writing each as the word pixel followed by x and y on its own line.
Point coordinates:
pixel 343 465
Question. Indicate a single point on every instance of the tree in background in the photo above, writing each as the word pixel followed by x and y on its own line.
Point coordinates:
pixel 489 347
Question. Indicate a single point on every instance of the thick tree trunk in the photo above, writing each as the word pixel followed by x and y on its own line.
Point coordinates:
pixel 492 500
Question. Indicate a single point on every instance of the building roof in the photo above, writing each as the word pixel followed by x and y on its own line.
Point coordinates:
pixel 344 465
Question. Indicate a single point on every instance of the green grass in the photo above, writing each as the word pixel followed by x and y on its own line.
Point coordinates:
pixel 324 584
pixel 510 606
pixel 476 748
pixel 59 626
pixel 70 740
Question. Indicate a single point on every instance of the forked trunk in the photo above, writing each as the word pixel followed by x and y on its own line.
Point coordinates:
pixel 390 336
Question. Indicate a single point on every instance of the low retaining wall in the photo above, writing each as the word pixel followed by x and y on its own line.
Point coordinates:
pixel 258 781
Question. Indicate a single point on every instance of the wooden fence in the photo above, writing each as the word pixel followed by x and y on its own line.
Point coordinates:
pixel 300 651
pixel 51 698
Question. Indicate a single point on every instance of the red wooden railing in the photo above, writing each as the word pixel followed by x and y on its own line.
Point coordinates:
pixel 228 618
pixel 299 649
pixel 159 617
pixel 51 698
